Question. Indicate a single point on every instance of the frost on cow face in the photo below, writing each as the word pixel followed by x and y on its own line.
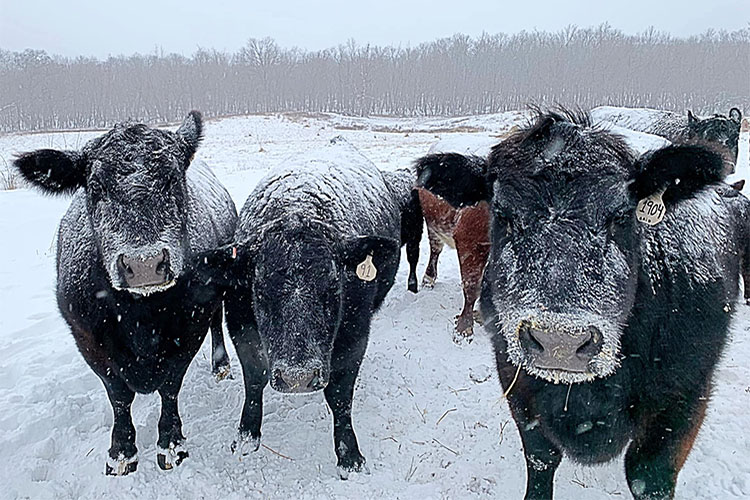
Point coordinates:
pixel 136 197
pixel 720 131
pixel 562 234
pixel 565 260
pixel 297 303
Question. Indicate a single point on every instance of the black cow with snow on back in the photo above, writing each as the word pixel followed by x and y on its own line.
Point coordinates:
pixel 719 132
pixel 318 247
pixel 129 279
pixel 606 329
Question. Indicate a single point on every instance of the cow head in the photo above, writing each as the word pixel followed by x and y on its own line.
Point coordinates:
pixel 563 268
pixel 719 132
pixel 296 273
pixel 134 182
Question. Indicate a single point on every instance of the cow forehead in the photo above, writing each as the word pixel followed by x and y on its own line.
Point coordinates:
pixel 128 143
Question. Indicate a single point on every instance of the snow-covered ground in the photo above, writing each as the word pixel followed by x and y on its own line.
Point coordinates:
pixel 428 414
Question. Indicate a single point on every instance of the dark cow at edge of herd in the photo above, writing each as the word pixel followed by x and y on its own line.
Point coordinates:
pixel 592 264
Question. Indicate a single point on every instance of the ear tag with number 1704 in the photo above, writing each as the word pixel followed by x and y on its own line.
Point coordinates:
pixel 651 209
pixel 366 270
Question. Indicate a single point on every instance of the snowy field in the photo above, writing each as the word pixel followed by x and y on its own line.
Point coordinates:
pixel 428 414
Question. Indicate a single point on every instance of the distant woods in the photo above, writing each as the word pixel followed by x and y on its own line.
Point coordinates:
pixel 459 75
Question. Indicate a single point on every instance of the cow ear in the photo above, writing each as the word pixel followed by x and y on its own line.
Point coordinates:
pixel 354 251
pixel 735 115
pixel 460 180
pixel 739 185
pixel 676 171
pixel 691 118
pixel 229 266
pixel 191 131
pixel 55 172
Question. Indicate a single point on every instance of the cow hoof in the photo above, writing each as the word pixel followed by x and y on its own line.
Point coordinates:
pixel 121 466
pixel 464 331
pixel 478 318
pixel 170 458
pixel 223 372
pixel 358 465
pixel 245 444
pixel 412 286
pixel 428 282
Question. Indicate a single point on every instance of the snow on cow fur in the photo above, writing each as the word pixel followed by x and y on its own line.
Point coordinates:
pixel 429 415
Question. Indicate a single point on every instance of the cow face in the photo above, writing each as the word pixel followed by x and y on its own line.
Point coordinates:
pixel 562 273
pixel 136 198
pixel 298 276
pixel 718 131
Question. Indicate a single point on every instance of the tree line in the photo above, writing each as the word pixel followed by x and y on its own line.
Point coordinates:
pixel 459 75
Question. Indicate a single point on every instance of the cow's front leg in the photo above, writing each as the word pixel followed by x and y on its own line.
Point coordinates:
pixel 346 359
pixel 243 330
pixel 255 376
pixel 123 454
pixel 219 357
pixel 656 456
pixel 170 445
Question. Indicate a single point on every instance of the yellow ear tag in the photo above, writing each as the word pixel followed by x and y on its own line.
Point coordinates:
pixel 366 270
pixel 651 209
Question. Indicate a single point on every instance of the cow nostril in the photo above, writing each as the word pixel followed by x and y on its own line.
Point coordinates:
pixel 592 345
pixel 125 268
pixel 315 379
pixel 528 340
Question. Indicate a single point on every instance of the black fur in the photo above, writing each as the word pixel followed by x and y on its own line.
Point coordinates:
pixel 135 194
pixel 563 196
pixel 457 178
pixel 297 312
pixel 693 166
pixel 55 172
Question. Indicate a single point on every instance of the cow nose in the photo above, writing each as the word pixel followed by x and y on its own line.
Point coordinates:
pixel 560 350
pixel 293 379
pixel 145 271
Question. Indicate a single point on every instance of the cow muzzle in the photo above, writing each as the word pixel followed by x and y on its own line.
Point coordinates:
pixel 307 377
pixel 139 272
pixel 558 349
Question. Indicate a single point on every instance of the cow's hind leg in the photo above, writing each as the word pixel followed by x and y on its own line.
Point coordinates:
pixel 411 235
pixel 219 356
pixel 123 454
pixel 657 454
pixel 473 247
pixel 436 246
pixel 171 451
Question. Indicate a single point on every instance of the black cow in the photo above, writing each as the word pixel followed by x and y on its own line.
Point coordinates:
pixel 718 132
pixel 318 250
pixel 127 253
pixel 606 329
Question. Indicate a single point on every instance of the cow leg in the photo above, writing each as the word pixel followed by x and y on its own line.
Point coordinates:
pixel 542 460
pixel 411 235
pixel 472 244
pixel 123 454
pixel 436 246
pixel 746 271
pixel 219 356
pixel 657 454
pixel 170 449
pixel 348 352
pixel 472 257
pixel 244 334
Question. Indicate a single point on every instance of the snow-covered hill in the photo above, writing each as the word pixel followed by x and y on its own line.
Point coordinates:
pixel 429 414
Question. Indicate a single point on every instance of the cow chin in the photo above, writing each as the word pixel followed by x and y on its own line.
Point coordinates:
pixel 145 291
pixel 601 365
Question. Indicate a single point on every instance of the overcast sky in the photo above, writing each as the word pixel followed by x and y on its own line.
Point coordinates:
pixel 104 27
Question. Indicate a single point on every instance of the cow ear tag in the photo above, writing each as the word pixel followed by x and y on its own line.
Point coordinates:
pixel 366 270
pixel 651 209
